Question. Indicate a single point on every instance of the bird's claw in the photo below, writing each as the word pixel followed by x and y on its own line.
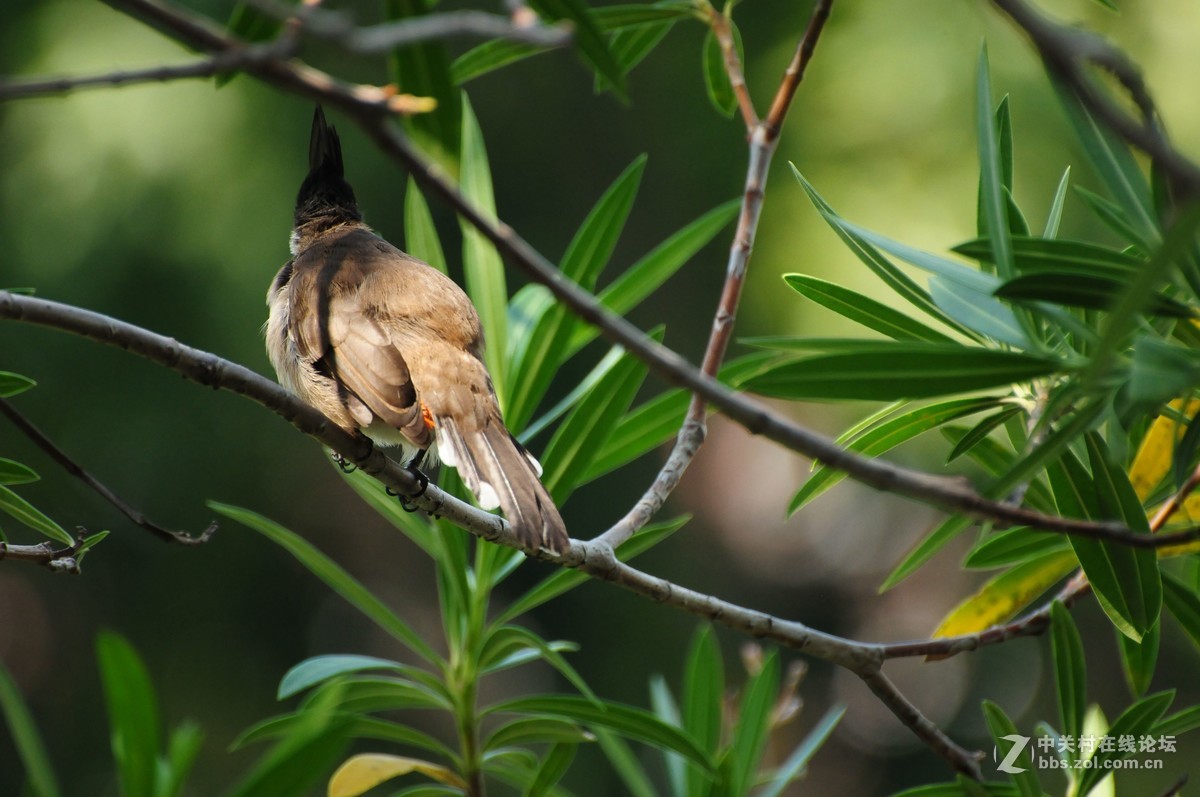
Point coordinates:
pixel 407 501
pixel 346 465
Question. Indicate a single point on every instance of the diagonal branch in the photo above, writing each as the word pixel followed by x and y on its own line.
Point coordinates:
pixel 75 469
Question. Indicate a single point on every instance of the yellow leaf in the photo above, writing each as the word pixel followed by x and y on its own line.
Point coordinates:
pixel 361 773
pixel 1153 460
pixel 1000 599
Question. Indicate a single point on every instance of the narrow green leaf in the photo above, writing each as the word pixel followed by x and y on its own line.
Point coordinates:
pixel 132 714
pixel 631 772
pixel 929 369
pixel 1040 255
pixel 889 434
pixel 1078 290
pixel 363 694
pixel 333 575
pixel 979 311
pixel 1138 659
pixel 796 763
pixel 412 524
pixel 20 509
pixel 1115 219
pixel 1113 161
pixel 1013 546
pixel 980 431
pixel 863 309
pixel 483 271
pixel 313 671
pixel 535 730
pixel 893 277
pixel 488 57
pixel 925 549
pixel 592 45
pixel 1070 670
pixel 609 361
pixel 11 384
pixel 703 701
pixel 995 173
pixel 1005 735
pixel 1054 217
pixel 554 765
pixel 663 704
pixel 630 47
pixel 753 725
pixel 1184 605
pixel 538 359
pixel 1178 723
pixel 31 752
pixel 962 788
pixel 634 723
pixel 353 726
pixel 182 750
pixel 578 440
pixel 652 270
pixel 420 235
pixel 548 652
pixel 716 79
pixel 15 473
pixel 565 580
pixel 1160 371
pixel 423 69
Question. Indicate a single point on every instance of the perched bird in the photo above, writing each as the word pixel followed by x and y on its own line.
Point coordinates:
pixel 383 343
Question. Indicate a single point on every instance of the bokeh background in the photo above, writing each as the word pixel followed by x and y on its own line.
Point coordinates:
pixel 169 207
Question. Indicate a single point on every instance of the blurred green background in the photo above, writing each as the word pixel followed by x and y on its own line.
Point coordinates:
pixel 170 206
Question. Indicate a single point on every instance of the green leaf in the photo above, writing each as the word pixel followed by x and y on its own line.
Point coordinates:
pixel 488 57
pixel 903 369
pixel 26 513
pixel 963 788
pixel 978 310
pixel 899 282
pixel 716 78
pixel 634 723
pixel 554 765
pixel 1014 546
pixel 31 752
pixel 753 725
pixel 1159 371
pixel 11 384
pixel 1046 255
pixel 703 701
pixel 1184 605
pixel 609 361
pixel 888 434
pixel 412 524
pixel 506 635
pixel 565 580
pixel 182 749
pixel 420 235
pixel 538 359
pixel 483 271
pixel 925 549
pixel 535 730
pixel 650 272
pixel 1137 720
pixel 132 714
pixel 1054 217
pixel 1178 723
pixel 632 774
pixel 313 671
pixel 334 577
pixel 631 46
pixel 1079 290
pixel 351 726
pixel 1138 659
pixel 979 432
pixel 865 310
pixel 1005 735
pixel 660 418
pixel 423 69
pixel 796 763
pixel 1070 670
pixel 1004 596
pixel 15 473
pixel 368 693
pixel 592 45
pixel 663 704
pixel 577 441
pixel 995 169
pixel 1113 161
pixel 1115 219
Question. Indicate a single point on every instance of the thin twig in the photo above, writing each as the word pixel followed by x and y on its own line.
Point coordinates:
pixel 722 29
pixel 764 137
pixel 60 560
pixel 75 469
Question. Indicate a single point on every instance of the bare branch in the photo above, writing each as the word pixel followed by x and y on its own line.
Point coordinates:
pixel 338 28
pixel 59 560
pixel 75 469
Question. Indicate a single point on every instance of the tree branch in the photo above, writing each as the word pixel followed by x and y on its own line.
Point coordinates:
pixel 75 469
pixel 59 560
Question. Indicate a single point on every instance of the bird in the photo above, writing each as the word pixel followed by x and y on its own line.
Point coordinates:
pixel 386 345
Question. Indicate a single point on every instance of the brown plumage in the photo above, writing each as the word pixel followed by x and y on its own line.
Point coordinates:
pixel 386 344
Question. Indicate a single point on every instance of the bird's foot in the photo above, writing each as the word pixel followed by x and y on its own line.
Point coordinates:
pixel 407 501
pixel 346 465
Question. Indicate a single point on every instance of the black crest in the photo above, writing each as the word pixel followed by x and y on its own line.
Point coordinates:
pixel 325 191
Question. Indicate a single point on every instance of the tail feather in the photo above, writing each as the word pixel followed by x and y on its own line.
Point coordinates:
pixel 498 470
